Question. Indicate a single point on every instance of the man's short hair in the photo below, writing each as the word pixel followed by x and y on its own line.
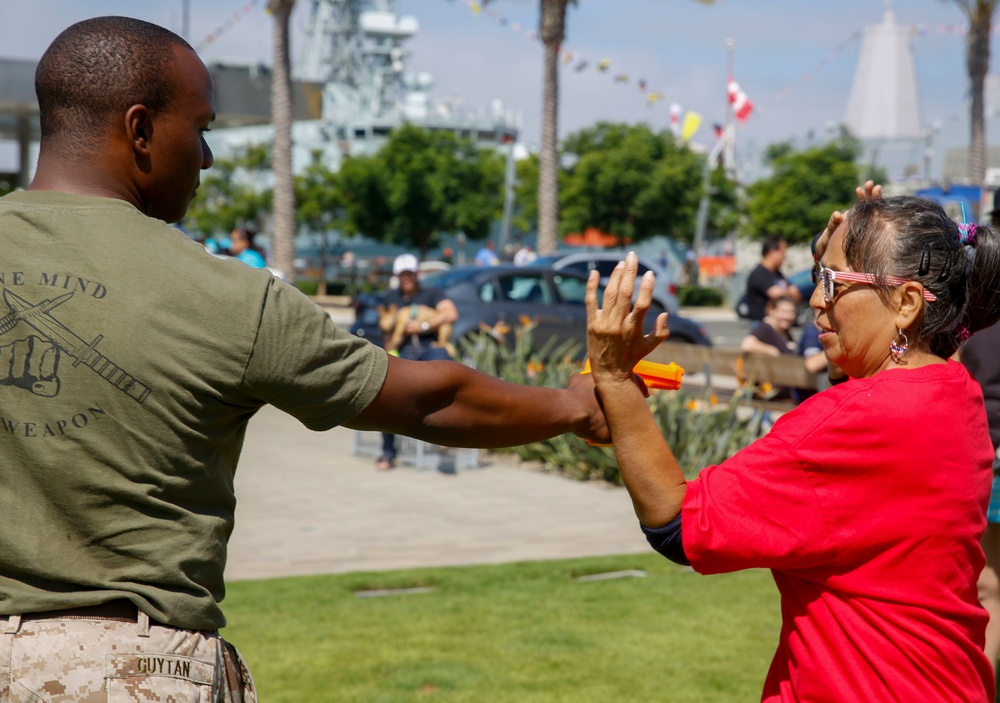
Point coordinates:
pixel 769 244
pixel 95 70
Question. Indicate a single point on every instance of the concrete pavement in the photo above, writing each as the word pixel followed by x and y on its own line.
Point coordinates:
pixel 308 506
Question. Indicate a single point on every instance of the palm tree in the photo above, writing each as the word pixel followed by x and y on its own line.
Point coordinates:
pixel 281 114
pixel 552 30
pixel 977 62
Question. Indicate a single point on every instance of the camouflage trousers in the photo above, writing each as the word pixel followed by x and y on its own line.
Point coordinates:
pixel 86 659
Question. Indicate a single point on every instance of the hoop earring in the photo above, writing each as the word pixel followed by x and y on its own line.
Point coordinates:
pixel 898 349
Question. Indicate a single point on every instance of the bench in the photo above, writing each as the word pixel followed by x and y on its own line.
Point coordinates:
pixel 728 369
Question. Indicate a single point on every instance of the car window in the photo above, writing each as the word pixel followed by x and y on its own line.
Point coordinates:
pixel 572 290
pixel 606 267
pixel 488 292
pixel 578 266
pixel 525 288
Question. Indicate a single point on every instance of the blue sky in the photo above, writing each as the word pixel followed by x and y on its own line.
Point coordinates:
pixel 677 46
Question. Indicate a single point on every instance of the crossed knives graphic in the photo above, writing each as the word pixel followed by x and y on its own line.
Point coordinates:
pixel 39 318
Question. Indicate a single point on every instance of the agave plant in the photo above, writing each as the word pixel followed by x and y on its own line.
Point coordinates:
pixel 700 431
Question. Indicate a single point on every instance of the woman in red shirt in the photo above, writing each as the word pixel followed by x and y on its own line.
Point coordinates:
pixel 868 500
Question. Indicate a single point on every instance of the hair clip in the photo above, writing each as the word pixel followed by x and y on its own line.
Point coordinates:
pixel 963 333
pixel 925 260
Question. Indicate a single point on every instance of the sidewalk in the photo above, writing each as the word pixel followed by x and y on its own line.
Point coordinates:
pixel 308 506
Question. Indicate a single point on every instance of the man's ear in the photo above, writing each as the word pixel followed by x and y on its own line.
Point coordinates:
pixel 909 300
pixel 139 128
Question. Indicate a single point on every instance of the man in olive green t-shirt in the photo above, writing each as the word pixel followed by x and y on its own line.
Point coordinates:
pixel 130 363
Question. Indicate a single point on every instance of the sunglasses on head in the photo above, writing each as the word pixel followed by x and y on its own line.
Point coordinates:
pixel 828 277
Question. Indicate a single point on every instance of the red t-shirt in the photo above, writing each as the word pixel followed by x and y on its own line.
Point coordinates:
pixel 867 502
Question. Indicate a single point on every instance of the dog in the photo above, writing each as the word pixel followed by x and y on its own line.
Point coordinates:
pixel 392 321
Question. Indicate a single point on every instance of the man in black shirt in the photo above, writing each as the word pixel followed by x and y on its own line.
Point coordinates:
pixel 766 282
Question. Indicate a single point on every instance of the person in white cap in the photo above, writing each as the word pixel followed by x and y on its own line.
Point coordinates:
pixel 419 337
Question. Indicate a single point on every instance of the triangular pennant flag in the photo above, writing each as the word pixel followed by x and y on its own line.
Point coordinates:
pixel 692 121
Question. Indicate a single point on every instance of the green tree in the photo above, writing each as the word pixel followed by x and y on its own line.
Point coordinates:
pixel 421 184
pixel 233 193
pixel 526 194
pixel 320 207
pixel 795 202
pixel 552 30
pixel 281 115
pixel 635 183
pixel 977 62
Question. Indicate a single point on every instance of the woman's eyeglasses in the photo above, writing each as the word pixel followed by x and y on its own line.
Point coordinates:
pixel 828 277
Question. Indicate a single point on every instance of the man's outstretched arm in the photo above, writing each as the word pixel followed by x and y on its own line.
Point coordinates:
pixel 450 404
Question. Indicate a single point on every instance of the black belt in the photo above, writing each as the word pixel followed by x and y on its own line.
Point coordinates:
pixel 121 610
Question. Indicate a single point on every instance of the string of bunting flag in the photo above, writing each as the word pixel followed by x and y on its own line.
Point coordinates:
pixel 685 124
pixel 832 56
pixel 227 25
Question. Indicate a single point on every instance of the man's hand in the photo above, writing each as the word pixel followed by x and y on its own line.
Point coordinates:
pixel 596 428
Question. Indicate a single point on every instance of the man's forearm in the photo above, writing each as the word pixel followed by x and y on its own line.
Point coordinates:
pixel 451 404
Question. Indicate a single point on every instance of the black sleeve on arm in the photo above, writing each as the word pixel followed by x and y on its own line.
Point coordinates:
pixel 668 541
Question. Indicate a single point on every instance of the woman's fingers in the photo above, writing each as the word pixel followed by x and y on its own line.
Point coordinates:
pixel 590 300
pixel 869 191
pixel 623 282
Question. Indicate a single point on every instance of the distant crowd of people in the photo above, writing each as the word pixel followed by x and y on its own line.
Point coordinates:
pixel 772 310
pixel 240 245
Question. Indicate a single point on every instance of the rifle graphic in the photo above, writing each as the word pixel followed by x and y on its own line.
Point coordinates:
pixel 38 317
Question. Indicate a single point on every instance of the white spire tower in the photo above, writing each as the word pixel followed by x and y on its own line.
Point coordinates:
pixel 884 102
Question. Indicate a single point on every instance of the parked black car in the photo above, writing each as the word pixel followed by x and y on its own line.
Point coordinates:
pixel 554 299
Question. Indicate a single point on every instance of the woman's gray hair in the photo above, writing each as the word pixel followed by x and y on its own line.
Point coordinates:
pixel 913 238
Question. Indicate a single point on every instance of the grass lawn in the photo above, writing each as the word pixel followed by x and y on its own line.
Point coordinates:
pixel 521 633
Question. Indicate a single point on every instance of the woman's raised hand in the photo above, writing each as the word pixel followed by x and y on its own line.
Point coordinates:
pixel 615 338
pixel 869 191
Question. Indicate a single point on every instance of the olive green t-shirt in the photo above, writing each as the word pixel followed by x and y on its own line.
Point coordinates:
pixel 130 362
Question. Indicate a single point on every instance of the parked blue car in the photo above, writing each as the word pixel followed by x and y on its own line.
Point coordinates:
pixel 489 295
